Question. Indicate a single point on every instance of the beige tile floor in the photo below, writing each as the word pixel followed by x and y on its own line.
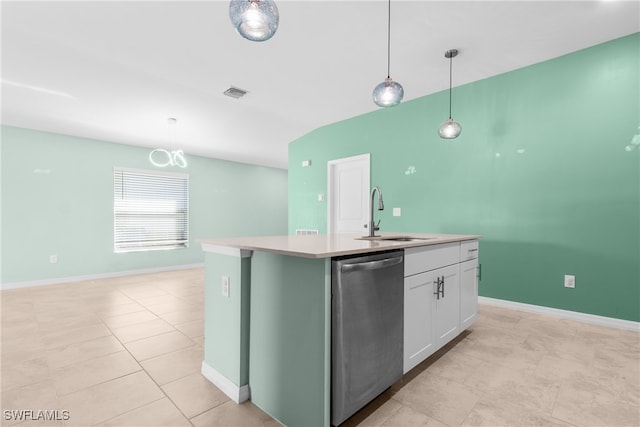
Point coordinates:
pixel 127 352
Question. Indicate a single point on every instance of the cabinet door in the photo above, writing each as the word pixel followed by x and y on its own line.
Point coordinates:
pixel 419 304
pixel 468 293
pixel 447 315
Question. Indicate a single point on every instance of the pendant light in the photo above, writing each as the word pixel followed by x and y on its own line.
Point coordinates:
pixel 162 158
pixel 255 20
pixel 450 129
pixel 388 93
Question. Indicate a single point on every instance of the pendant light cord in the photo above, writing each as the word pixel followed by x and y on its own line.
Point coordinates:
pixel 450 80
pixel 389 41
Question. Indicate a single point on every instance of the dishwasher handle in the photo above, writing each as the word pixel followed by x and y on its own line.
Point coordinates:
pixel 372 265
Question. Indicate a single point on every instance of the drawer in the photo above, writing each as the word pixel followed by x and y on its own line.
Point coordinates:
pixel 426 258
pixel 468 250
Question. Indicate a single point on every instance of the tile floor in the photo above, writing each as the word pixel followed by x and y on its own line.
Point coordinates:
pixel 127 352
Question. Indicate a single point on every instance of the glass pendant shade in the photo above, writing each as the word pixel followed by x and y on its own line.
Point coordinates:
pixel 255 20
pixel 388 93
pixel 449 129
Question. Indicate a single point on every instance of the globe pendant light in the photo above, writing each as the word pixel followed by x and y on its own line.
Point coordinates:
pixel 450 129
pixel 388 93
pixel 255 20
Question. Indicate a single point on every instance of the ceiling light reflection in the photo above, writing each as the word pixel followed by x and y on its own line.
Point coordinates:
pixel 37 89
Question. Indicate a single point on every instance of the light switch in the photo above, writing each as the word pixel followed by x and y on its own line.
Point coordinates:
pixel 225 286
pixel 396 211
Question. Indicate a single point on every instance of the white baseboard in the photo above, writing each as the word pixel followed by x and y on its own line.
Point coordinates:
pixel 611 322
pixel 236 393
pixel 58 280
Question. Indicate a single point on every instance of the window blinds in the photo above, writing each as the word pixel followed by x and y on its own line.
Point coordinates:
pixel 151 210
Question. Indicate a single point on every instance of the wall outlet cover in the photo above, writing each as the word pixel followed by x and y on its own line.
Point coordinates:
pixel 569 281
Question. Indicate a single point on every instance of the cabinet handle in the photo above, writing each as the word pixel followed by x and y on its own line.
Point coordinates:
pixel 439 282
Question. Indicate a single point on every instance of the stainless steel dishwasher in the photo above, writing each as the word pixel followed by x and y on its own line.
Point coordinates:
pixel 366 329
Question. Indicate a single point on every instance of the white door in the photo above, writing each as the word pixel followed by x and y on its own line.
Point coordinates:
pixel 348 194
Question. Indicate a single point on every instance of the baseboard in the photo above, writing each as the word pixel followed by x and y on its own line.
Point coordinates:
pixel 611 322
pixel 236 393
pixel 58 280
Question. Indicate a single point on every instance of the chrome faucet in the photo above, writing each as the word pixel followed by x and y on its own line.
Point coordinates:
pixel 373 227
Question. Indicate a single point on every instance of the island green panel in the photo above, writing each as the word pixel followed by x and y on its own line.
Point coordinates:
pixel 290 338
pixel 545 168
pixel 226 327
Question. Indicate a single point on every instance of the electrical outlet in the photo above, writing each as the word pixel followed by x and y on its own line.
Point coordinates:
pixel 225 286
pixel 53 259
pixel 569 281
pixel 397 212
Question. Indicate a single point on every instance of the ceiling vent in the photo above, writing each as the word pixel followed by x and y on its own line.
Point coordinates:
pixel 234 92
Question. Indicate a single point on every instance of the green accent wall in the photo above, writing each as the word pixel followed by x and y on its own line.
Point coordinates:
pixel 57 199
pixel 541 170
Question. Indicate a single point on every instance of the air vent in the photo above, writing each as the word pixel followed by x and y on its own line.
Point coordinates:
pixel 234 92
pixel 306 232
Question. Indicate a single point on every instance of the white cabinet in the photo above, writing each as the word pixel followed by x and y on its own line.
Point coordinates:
pixel 419 341
pixel 440 297
pixel 468 250
pixel 447 311
pixel 431 300
pixel 468 283
pixel 426 258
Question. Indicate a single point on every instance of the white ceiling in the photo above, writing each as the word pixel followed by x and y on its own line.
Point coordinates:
pixel 116 70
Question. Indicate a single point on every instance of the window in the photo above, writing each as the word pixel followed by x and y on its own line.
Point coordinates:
pixel 151 210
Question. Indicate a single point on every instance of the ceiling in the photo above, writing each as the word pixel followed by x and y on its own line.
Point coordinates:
pixel 117 70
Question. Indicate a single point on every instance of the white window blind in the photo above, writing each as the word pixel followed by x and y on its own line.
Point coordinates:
pixel 151 210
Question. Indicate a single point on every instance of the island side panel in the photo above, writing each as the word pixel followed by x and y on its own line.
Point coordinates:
pixel 290 344
pixel 226 327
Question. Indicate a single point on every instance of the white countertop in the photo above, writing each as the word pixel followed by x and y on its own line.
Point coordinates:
pixel 328 245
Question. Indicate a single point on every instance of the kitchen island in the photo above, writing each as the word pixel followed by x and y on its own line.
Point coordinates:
pixel 268 314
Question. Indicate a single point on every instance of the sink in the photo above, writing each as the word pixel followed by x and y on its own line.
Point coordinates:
pixel 396 238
